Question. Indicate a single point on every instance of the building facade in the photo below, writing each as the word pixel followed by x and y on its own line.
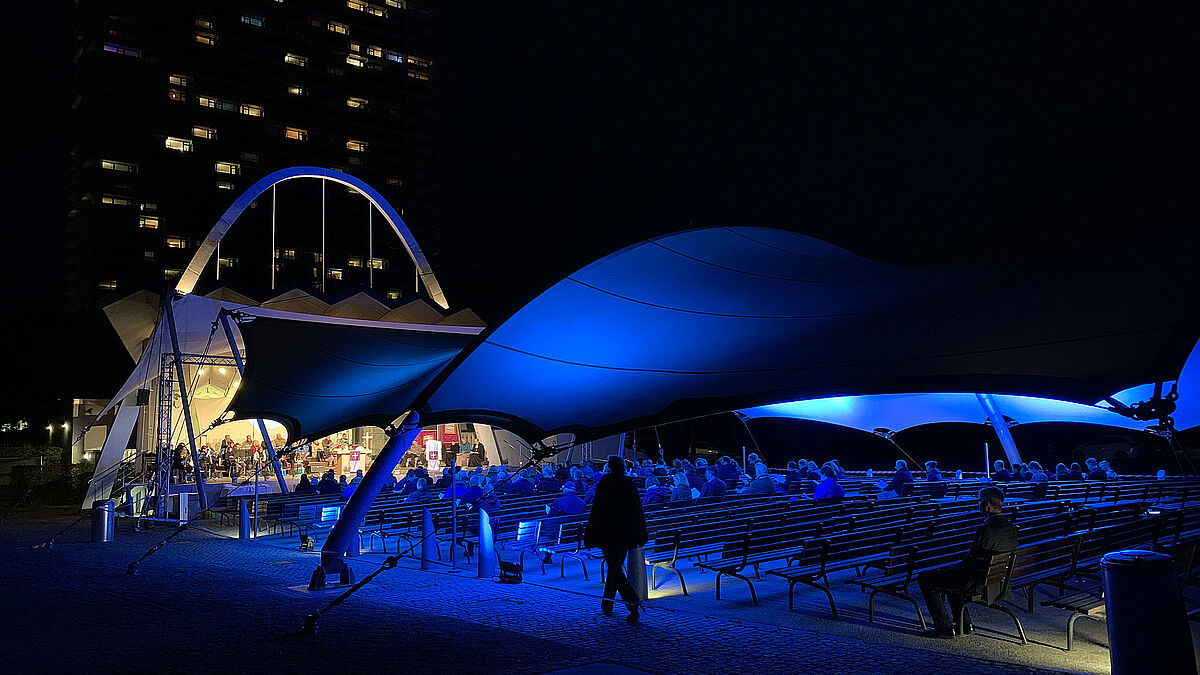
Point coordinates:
pixel 179 106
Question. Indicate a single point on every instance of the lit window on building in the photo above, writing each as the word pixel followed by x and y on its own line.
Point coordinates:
pixel 176 95
pixel 207 133
pixel 355 60
pixel 378 264
pixel 228 263
pixel 356 146
pixel 335 273
pixel 418 61
pixel 148 207
pixel 171 274
pixel 178 144
pixel 148 222
pixel 252 157
pixel 224 185
pixel 176 242
pixel 295 134
pixel 209 102
pixel 115 200
pixel 400 4
pixel 393 56
pixel 377 52
pixel 295 60
pixel 340 28
pixel 228 168
pixel 179 80
pixel 295 90
pixel 204 23
pixel 119 167
pixel 396 181
pixel 418 75
pixel 122 50
pixel 206 38
pixel 373 10
pixel 356 102
pixel 251 110
pixel 289 254
pixel 354 262
pixel 393 295
pixel 253 20
pixel 355 47
pixel 150 256
pixel 107 285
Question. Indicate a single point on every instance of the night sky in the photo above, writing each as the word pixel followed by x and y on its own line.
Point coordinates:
pixel 957 135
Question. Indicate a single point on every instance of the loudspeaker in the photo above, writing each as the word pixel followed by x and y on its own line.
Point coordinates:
pixel 143 397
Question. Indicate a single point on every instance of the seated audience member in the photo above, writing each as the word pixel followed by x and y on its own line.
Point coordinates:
pixel 646 468
pixel 575 478
pixel 420 494
pixel 695 480
pixel 829 487
pixel 390 482
pixel 443 482
pixel 1023 472
pixel 1076 472
pixel 547 482
pixel 901 478
pixel 590 495
pixel 950 583
pixel 753 460
pixel 701 465
pixel 728 470
pixel 499 480
pixel 814 471
pixel 794 479
pixel 660 469
pixel 568 504
pixel 713 486
pixel 1061 472
pixel 329 484
pixel 1109 474
pixel 303 487
pixel 1037 474
pixel 358 476
pixel 1000 473
pixel 837 467
pixel 762 485
pixel 1094 472
pixel 931 471
pixel 474 489
pixel 343 482
pixel 459 489
pixel 683 492
pixel 488 501
pixel 655 493
pixel 562 473
pixel 523 484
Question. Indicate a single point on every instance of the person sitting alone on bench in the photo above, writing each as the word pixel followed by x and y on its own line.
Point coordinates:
pixel 932 473
pixel 901 478
pixel 951 583
pixel 999 472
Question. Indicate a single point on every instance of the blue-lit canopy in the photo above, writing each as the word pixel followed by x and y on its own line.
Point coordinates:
pixel 710 320
pixel 1187 414
pixel 896 412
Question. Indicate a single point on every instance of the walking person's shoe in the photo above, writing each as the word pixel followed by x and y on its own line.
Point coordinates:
pixel 939 633
pixel 634 613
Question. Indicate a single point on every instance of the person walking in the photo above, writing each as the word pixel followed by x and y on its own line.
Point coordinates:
pixel 616 525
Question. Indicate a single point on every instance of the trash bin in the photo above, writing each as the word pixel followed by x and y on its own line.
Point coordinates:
pixel 104 513
pixel 1148 629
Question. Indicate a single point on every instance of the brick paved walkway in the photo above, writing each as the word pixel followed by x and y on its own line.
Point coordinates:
pixel 212 603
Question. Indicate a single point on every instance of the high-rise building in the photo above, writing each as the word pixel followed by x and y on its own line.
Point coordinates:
pixel 180 106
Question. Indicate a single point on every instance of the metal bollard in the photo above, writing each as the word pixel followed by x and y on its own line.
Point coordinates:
pixel 1148 629
pixel 243 520
pixel 104 513
pixel 488 567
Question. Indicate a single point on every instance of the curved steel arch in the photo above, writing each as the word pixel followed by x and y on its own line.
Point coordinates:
pixel 187 281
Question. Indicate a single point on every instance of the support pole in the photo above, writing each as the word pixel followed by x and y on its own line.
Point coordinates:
pixel 322 235
pixel 272 238
pixel 223 316
pixel 187 411
pixel 453 512
pixel 345 531
pixel 1000 426
pixel 370 245
pixel 428 541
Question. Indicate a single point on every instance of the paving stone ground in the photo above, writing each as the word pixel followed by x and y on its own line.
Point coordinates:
pixel 208 602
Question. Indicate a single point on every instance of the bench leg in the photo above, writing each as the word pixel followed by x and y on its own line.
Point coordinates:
pixel 824 589
pixel 1020 628
pixel 653 570
pixel 753 595
pixel 1071 628
pixel 682 585
pixel 719 575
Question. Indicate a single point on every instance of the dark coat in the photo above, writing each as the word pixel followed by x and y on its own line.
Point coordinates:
pixel 616 521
